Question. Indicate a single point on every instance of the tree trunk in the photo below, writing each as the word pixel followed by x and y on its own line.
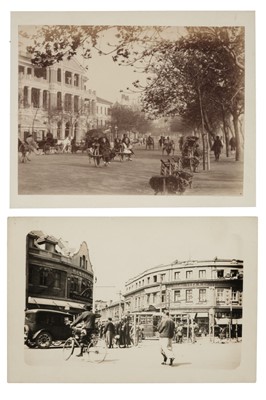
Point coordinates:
pixel 206 155
pixel 226 133
pixel 237 137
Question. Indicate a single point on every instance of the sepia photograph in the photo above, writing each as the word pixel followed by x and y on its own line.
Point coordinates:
pixel 133 109
pixel 132 300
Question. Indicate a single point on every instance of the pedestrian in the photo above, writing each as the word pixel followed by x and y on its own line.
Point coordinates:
pixel 232 143
pixel 109 331
pixel 166 330
pixel 105 150
pixel 217 148
pixel 179 334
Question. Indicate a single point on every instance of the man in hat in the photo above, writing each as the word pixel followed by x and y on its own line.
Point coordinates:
pixel 167 330
pixel 88 318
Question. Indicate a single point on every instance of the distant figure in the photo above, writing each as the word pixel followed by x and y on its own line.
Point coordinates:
pixel 217 148
pixel 232 143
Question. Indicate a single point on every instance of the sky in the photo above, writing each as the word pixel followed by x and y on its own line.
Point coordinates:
pixel 120 248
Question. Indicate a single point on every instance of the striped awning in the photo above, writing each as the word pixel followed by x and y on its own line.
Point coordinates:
pixel 53 302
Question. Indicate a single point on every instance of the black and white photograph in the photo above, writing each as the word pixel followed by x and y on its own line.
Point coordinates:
pixel 132 300
pixel 143 109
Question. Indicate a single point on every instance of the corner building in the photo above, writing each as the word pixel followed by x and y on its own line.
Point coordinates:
pixel 56 277
pixel 56 100
pixel 209 292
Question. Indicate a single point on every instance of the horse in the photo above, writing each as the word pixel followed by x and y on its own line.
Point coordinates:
pixel 64 144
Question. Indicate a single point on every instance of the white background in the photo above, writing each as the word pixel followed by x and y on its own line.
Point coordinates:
pixel 69 391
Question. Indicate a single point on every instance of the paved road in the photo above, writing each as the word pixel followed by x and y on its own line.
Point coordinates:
pixel 198 362
pixel 72 174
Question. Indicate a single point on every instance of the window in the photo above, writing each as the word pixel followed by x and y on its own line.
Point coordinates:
pixel 163 298
pixel 202 295
pixel 45 99
pixel 59 100
pixel 43 278
pixel 76 80
pixel 76 103
pixel 25 96
pixel 148 299
pixel 220 295
pixel 189 296
pixel 68 102
pixel 155 278
pixel 148 280
pixel 176 296
pixel 40 73
pixel 177 276
pixel 202 273
pixel 57 280
pixel 74 285
pixel 59 76
pixel 21 69
pixel 162 277
pixel 68 78
pixel 28 71
pixel 220 273
pixel 188 274
pixel 35 97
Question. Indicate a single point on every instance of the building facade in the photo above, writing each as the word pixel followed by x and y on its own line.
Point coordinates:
pixel 57 277
pixel 56 99
pixel 208 292
pixel 103 113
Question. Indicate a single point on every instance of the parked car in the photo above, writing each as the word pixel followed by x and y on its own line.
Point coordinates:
pixel 44 327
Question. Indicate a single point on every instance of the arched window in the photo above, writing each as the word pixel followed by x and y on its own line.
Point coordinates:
pixel 67 129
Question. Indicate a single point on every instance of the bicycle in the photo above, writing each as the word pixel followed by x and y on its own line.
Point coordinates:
pixel 94 349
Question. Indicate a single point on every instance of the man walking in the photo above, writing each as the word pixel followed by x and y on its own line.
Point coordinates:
pixel 167 331
pixel 109 331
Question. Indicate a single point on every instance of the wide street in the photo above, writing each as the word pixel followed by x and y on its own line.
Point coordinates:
pixel 73 174
pixel 198 362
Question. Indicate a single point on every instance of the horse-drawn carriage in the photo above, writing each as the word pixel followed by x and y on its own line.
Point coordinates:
pixel 48 145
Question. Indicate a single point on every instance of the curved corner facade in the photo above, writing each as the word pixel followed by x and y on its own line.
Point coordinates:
pixel 57 277
pixel 210 292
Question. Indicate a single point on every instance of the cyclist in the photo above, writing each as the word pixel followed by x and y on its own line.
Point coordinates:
pixel 88 318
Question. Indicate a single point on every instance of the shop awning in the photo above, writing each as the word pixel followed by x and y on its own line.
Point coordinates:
pixel 52 302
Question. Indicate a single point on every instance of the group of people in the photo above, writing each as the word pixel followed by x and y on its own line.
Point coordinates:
pixel 101 148
pixel 121 333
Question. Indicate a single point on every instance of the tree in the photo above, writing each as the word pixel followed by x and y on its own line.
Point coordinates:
pixel 125 119
pixel 200 77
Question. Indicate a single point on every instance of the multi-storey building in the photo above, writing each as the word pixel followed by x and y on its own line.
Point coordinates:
pixel 56 99
pixel 103 113
pixel 209 292
pixel 57 277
